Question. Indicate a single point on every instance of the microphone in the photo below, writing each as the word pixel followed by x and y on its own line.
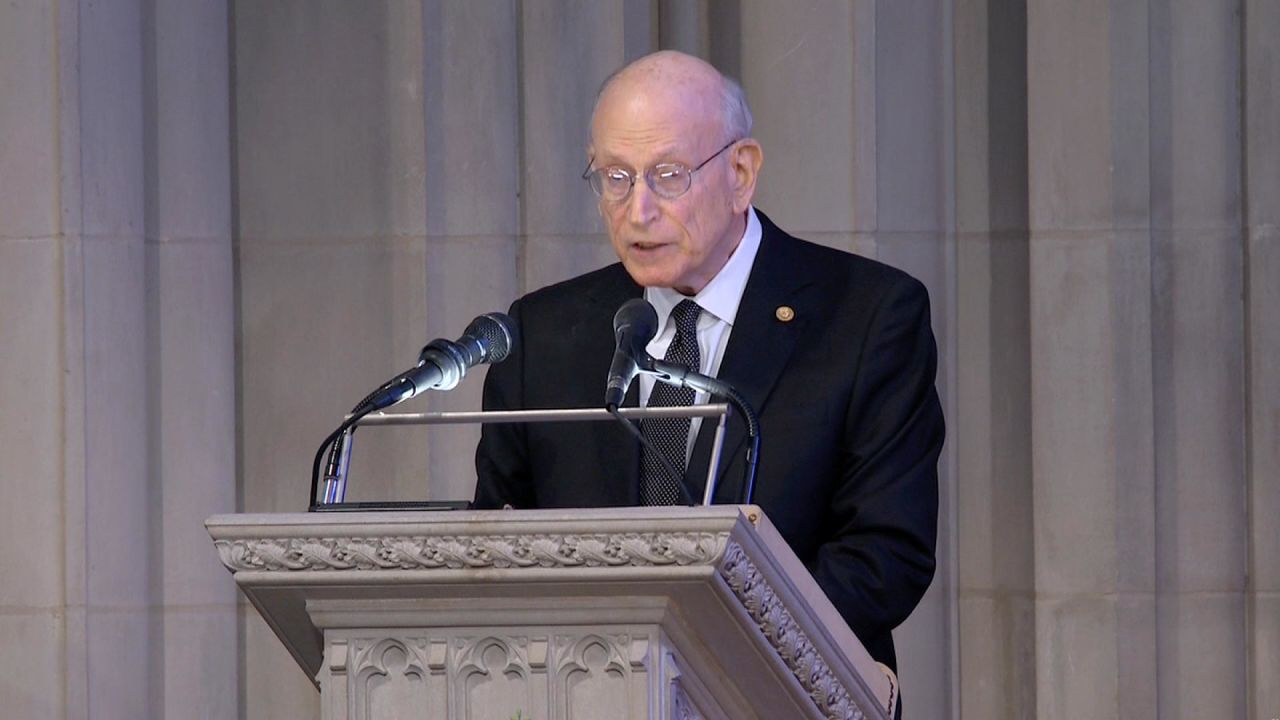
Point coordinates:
pixel 634 325
pixel 443 363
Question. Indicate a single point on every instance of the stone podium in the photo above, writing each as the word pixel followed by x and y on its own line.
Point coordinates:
pixel 676 612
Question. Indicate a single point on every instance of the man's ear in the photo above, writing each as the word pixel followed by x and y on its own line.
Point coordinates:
pixel 745 159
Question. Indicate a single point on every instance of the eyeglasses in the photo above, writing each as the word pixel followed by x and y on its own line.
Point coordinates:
pixel 667 180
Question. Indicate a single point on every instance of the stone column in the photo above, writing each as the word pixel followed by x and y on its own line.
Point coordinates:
pixel 35 526
pixel 115 255
pixel 1136 358
pixel 191 352
pixel 995 550
pixel 1094 492
pixel 1261 55
pixel 1197 367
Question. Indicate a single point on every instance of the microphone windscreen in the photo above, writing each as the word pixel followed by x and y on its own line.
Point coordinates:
pixel 496 333
pixel 638 321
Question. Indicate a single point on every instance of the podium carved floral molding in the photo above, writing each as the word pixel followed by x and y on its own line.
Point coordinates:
pixel 472 551
pixel 788 640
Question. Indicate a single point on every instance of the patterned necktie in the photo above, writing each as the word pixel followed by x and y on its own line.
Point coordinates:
pixel 670 435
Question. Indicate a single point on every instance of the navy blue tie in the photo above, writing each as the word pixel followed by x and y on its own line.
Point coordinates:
pixel 670 435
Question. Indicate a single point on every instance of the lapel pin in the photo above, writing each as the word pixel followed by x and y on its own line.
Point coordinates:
pixel 784 313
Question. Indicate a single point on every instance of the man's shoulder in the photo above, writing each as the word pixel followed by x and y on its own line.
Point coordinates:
pixel 836 266
pixel 604 283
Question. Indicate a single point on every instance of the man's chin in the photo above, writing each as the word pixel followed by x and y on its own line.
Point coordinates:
pixel 649 276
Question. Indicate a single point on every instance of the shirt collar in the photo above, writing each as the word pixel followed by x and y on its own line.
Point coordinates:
pixel 722 295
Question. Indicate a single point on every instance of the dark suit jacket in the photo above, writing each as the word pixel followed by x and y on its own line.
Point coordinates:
pixel 850 422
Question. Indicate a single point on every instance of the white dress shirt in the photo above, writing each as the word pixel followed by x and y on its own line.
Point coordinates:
pixel 719 302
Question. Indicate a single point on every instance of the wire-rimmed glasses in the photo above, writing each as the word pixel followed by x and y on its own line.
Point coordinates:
pixel 668 180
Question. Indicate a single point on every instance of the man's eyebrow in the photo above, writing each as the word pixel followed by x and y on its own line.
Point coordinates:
pixel 664 155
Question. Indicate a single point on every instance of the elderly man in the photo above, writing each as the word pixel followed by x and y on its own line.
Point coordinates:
pixel 834 351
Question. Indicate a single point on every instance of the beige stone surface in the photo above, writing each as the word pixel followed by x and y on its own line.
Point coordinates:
pixel 110 101
pixel 1090 383
pixel 1199 410
pixel 121 643
pixel 1087 153
pixel 808 157
pixel 911 105
pixel 551 258
pixel 193 382
pixel 1264 653
pixel 1264 468
pixel 32 662
pixel 329 133
pixel 30 277
pixel 996 552
pixel 993 453
pixel 201 647
pixel 1094 657
pixel 1201 672
pixel 29 153
pixel 310 353
pixel 275 688
pixel 472 111
pixel 1264 409
pixel 1261 131
pixel 116 403
pixel 1195 115
pixel 192 142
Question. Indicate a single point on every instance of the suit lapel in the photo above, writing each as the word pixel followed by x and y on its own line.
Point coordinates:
pixel 759 347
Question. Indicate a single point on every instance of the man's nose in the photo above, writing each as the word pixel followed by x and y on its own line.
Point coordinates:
pixel 642 205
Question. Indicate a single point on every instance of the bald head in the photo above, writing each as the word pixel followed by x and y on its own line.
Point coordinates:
pixel 680 128
pixel 685 81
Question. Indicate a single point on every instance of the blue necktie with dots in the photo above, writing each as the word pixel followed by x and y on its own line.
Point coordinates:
pixel 670 435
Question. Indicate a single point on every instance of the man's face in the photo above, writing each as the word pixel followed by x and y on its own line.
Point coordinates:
pixel 683 242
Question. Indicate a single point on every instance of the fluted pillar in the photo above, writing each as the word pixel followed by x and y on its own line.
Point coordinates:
pixel 115 251
pixel 991 428
pixel 1136 358
pixel 1261 57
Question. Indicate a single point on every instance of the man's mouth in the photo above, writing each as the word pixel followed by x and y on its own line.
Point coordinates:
pixel 644 245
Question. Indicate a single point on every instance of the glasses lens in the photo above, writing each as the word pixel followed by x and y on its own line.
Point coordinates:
pixel 670 180
pixel 611 183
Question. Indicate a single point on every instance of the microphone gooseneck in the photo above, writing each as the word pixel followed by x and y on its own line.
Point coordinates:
pixel 682 376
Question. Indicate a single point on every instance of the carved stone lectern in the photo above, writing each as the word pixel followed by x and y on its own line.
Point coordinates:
pixel 538 614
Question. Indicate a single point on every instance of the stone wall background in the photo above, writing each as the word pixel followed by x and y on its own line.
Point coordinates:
pixel 222 223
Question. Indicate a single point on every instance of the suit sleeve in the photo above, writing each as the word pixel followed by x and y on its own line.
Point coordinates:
pixel 503 474
pixel 879 558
